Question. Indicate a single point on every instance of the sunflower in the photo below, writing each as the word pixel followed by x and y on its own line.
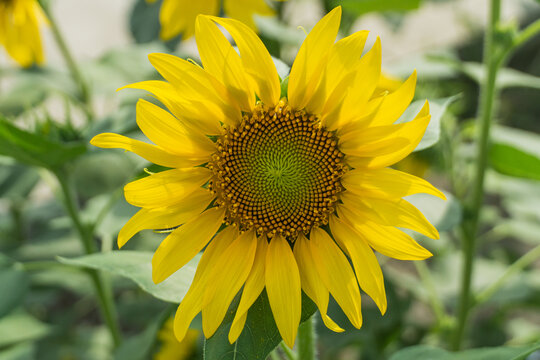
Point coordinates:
pixel 19 30
pixel 282 193
pixel 178 16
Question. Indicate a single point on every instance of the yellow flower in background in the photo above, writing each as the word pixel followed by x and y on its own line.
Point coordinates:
pixel 171 348
pixel 283 194
pixel 19 30
pixel 178 16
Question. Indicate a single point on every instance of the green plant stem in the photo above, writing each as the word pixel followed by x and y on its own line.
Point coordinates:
pixel 527 259
pixel 289 354
pixel 104 293
pixel 526 34
pixel 472 210
pixel 307 340
pixel 274 355
pixel 71 64
pixel 435 302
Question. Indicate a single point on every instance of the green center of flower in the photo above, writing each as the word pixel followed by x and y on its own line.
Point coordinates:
pixel 278 171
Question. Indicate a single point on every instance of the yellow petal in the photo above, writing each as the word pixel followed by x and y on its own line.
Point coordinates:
pixel 337 275
pixel 178 16
pixel 413 131
pixel 396 103
pixel 244 10
pixel 367 269
pixel 191 305
pixel 152 153
pixel 283 287
pixel 201 115
pixel 388 240
pixel 165 130
pixel 386 183
pixel 311 282
pixel 221 60
pixel 256 60
pixel 399 213
pixel 184 243
pixel 230 272
pixel 306 68
pixel 165 188
pixel 252 289
pixel 368 73
pixel 194 83
pixel 167 217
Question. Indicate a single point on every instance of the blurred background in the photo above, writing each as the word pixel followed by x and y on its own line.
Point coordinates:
pixel 47 299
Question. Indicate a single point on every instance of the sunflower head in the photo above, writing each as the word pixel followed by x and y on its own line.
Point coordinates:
pixel 283 194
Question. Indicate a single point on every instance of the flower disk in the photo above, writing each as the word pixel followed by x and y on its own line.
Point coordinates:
pixel 277 172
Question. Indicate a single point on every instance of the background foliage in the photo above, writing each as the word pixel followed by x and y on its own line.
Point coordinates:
pixel 61 207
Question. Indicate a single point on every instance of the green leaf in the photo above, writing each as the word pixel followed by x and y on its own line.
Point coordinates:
pixel 137 266
pixel 14 284
pixel 360 7
pixel 509 160
pixel 506 77
pixel 420 352
pixel 494 353
pixel 32 149
pixel 437 108
pixel 139 346
pixel 22 351
pixel 259 337
pixel 20 327
pixel 16 181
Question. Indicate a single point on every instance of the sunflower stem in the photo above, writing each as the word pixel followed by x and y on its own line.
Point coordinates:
pixel 469 226
pixel 307 340
pixel 103 291
pixel 76 74
pixel 289 354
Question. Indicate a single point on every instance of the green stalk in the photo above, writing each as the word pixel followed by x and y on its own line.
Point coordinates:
pixel 70 62
pixel 104 293
pixel 524 261
pixel 472 210
pixel 289 354
pixel 307 340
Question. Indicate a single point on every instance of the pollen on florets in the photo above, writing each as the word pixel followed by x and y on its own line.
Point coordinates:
pixel 277 172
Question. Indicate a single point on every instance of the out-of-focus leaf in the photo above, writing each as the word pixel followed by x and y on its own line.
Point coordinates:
pixel 259 337
pixel 100 172
pixel 22 351
pixel 437 108
pixel 16 181
pixel 282 68
pixel 32 149
pixel 495 353
pixel 19 327
pixel 137 266
pixel 506 77
pixel 77 282
pixel 14 285
pixel 521 139
pixel 144 23
pixel 30 88
pixel 274 29
pixel 360 7
pixel 445 215
pixel 509 160
pixel 139 346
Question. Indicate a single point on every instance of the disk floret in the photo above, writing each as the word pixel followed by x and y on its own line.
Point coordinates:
pixel 277 172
